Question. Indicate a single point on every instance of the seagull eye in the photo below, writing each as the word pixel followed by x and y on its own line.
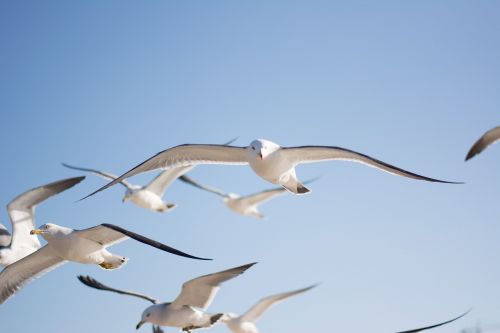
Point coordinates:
pixel 253 148
pixel 148 315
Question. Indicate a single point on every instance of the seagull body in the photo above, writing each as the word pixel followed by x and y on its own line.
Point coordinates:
pixel 247 205
pixel 187 311
pixel 246 322
pixel 148 196
pixel 267 159
pixel 22 217
pixel 86 246
pixel 488 138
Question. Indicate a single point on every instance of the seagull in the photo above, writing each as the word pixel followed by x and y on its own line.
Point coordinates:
pixel 86 246
pixel 267 159
pixel 488 138
pixel 244 205
pixel 246 322
pixel 187 311
pixel 148 196
pixel 415 330
pixel 22 217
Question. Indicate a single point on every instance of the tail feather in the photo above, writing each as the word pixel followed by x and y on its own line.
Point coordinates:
pixel 296 187
pixel 215 318
pixel 113 262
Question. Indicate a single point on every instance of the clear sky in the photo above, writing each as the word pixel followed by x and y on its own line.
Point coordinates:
pixel 106 84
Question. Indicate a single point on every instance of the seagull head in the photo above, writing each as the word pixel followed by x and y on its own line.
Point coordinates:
pixel 261 148
pixel 150 315
pixel 50 229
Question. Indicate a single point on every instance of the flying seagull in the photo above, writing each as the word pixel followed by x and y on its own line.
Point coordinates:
pixel 247 205
pixel 246 322
pixel 22 217
pixel 488 138
pixel 415 330
pixel 187 311
pixel 267 159
pixel 148 196
pixel 86 246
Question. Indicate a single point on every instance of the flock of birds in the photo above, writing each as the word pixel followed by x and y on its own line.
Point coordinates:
pixel 25 259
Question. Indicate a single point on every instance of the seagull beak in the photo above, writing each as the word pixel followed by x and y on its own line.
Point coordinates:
pixel 36 232
pixel 140 324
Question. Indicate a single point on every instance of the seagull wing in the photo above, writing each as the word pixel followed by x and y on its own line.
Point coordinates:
pixel 258 309
pixel 157 329
pixel 23 271
pixel 166 178
pixel 93 283
pixel 184 155
pixel 488 138
pixel 4 236
pixel 201 291
pixel 148 241
pixel 22 209
pixel 261 197
pixel 105 175
pixel 191 181
pixel 435 325
pixel 311 154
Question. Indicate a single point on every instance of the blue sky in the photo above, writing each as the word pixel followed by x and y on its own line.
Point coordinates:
pixel 108 84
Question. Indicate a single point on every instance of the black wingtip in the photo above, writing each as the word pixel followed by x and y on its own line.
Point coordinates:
pixel 151 242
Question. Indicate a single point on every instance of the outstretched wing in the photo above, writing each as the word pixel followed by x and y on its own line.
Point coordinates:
pixel 105 175
pixel 140 238
pixel 185 155
pixel 191 181
pixel 258 309
pixel 435 325
pixel 22 209
pixel 166 178
pixel 201 291
pixel 4 236
pixel 18 274
pixel 311 154
pixel 93 283
pixel 488 138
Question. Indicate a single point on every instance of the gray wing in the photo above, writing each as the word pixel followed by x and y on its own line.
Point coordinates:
pixel 261 197
pixel 105 175
pixel 166 178
pixel 488 138
pixel 311 154
pixel 23 271
pixel 93 283
pixel 435 325
pixel 201 291
pixel 258 309
pixel 96 233
pixel 185 155
pixel 22 209
pixel 4 236
pixel 191 181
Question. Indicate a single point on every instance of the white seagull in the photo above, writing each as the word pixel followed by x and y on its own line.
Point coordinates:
pixel 187 311
pixel 267 159
pixel 22 217
pixel 148 196
pixel 488 138
pixel 247 205
pixel 246 322
pixel 86 246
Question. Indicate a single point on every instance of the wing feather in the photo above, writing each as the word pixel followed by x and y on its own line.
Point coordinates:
pixel 191 181
pixel 435 325
pixel 93 283
pixel 488 138
pixel 105 175
pixel 166 178
pixel 311 154
pixel 22 209
pixel 200 292
pixel 258 309
pixel 18 274
pixel 185 155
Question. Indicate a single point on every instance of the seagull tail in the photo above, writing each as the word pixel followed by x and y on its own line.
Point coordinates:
pixel 215 318
pixel 113 262
pixel 295 187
